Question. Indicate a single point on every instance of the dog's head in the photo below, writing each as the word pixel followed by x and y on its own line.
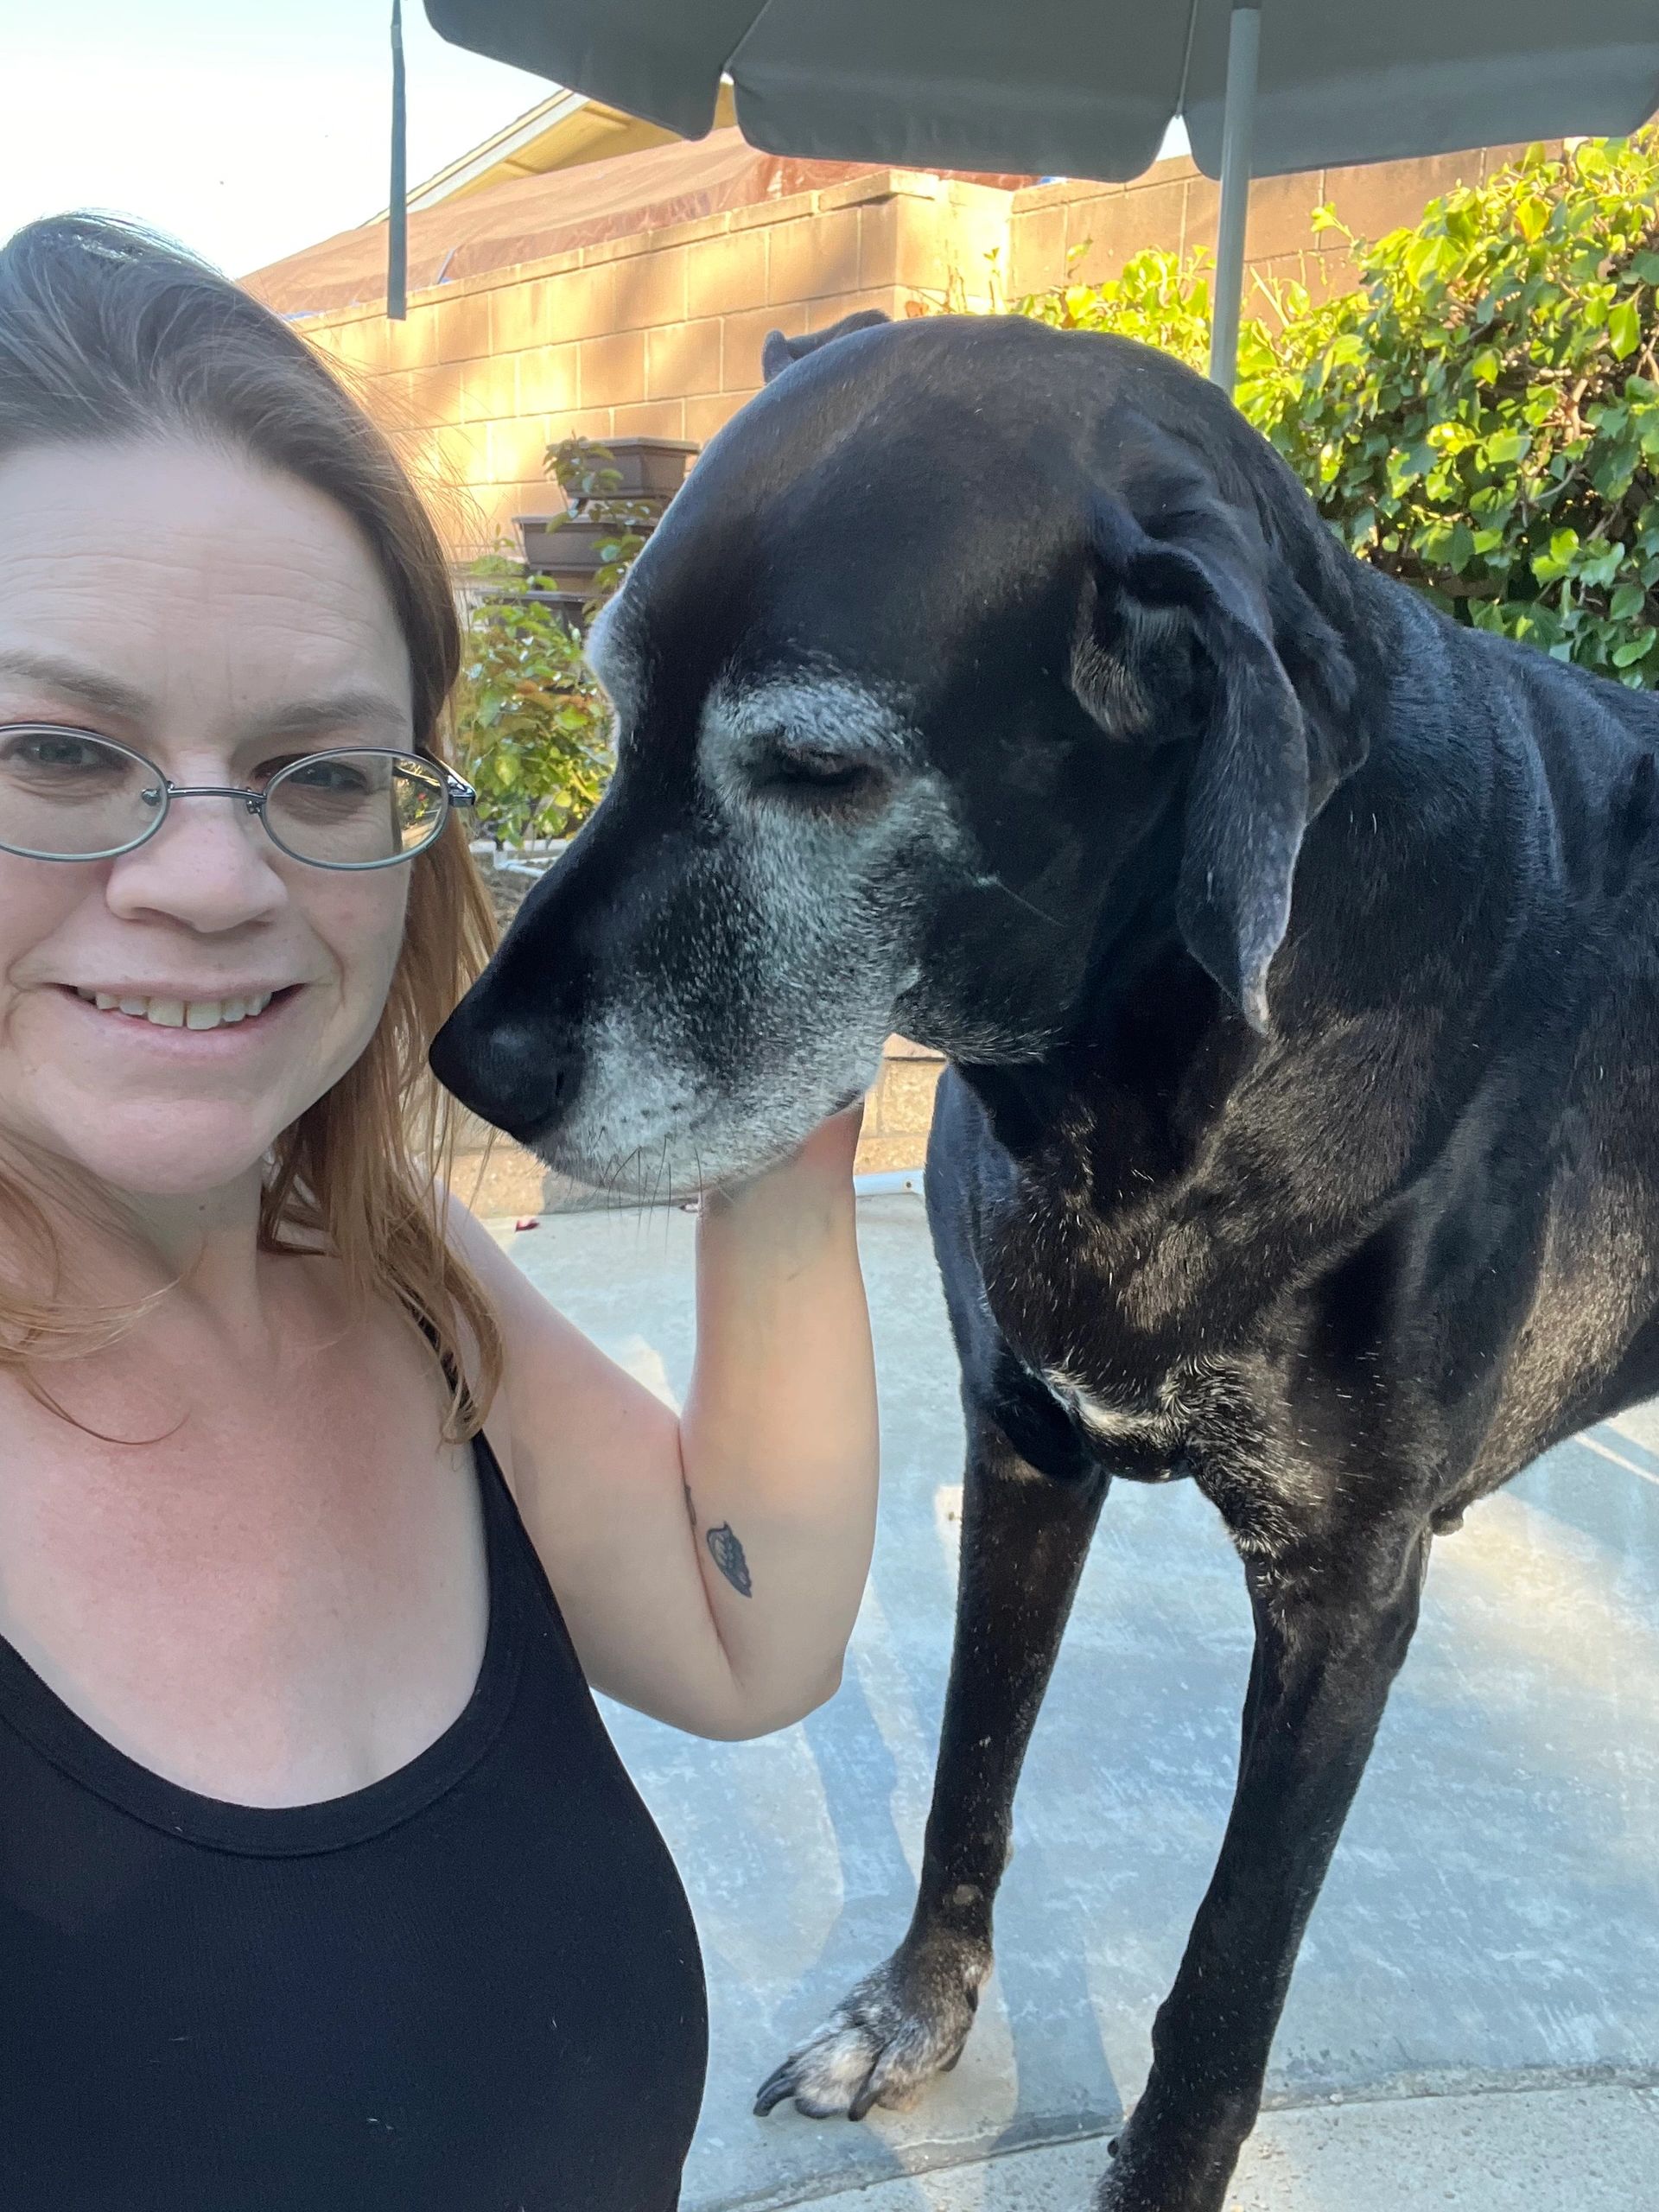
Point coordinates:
pixel 969 651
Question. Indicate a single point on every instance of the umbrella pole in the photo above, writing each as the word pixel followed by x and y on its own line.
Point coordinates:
pixel 397 217
pixel 1237 131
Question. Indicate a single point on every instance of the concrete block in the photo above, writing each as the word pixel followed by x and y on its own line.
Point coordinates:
pixel 581 304
pixel 464 327
pixel 613 369
pixel 548 380
pixel 1114 230
pixel 726 275
pixel 649 418
pixel 363 344
pixel 513 451
pixel 488 390
pixel 706 418
pixel 434 394
pixel 521 315
pixel 413 343
pixel 743 335
pixel 1374 198
pixel 884 1155
pixel 683 360
pixel 1036 251
pixel 816 255
pixel 650 289
pixel 766 215
pixel 905 1091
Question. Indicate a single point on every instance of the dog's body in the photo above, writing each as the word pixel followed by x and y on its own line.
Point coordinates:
pixel 1348 1252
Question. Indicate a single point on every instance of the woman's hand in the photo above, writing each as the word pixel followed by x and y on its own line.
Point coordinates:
pixel 710 1567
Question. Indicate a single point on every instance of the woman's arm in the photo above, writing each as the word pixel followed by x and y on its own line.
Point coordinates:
pixel 710 1567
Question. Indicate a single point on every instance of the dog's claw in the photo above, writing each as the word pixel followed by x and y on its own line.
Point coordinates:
pixel 775 2087
pixel 888 2037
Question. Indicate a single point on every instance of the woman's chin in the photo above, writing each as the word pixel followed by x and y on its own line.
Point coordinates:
pixel 198 1150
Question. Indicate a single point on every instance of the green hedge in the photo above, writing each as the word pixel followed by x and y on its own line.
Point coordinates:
pixel 1481 417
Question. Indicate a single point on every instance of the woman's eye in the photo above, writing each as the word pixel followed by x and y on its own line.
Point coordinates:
pixel 60 753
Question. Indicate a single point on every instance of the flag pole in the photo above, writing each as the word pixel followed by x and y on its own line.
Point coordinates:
pixel 398 219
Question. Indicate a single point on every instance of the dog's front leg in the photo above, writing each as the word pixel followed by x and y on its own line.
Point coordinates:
pixel 1024 1537
pixel 1330 1637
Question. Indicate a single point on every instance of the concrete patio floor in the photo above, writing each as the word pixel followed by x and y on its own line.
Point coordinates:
pixel 1475 2019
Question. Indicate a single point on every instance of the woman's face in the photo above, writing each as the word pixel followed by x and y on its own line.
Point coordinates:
pixel 219 620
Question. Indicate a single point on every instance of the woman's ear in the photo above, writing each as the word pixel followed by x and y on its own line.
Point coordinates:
pixel 1179 645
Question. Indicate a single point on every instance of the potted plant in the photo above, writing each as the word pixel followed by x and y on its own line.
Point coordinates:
pixel 615 496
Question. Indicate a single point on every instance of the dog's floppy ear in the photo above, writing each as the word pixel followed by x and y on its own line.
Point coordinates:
pixel 776 351
pixel 1183 640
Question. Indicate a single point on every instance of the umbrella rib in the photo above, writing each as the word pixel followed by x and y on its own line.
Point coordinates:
pixel 1186 58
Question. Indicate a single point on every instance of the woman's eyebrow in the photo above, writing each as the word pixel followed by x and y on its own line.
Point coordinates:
pixel 357 708
pixel 353 710
pixel 105 694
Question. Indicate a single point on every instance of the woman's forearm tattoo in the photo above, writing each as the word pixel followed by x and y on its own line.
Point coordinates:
pixel 727 1555
pixel 723 1548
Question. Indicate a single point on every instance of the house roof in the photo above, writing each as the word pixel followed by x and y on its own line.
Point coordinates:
pixel 559 133
pixel 526 218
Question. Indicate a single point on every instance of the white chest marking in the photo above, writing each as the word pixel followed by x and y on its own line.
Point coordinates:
pixel 1097 1415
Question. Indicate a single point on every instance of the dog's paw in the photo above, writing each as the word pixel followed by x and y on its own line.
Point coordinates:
pixel 888 2037
pixel 1146 2176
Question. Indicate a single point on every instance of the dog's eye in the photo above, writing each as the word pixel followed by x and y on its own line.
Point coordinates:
pixel 815 771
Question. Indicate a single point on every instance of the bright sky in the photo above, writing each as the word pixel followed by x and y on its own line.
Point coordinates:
pixel 246 128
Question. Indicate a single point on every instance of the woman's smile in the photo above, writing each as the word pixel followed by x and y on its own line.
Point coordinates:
pixel 175 1019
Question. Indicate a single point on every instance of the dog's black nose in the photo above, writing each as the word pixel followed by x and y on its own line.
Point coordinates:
pixel 508 1072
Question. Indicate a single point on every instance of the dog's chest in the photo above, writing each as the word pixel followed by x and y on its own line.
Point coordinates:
pixel 1150 1405
pixel 1156 1434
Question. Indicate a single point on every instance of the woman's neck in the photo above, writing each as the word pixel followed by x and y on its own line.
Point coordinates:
pixel 113 1247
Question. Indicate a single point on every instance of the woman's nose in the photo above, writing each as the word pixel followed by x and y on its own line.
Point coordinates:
pixel 210 865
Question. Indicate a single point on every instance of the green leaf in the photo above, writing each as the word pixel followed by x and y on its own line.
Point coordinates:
pixel 1635 649
pixel 1531 217
pixel 1628 599
pixel 1623 329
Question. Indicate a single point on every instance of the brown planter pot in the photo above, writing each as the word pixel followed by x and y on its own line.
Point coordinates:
pixel 650 468
pixel 573 548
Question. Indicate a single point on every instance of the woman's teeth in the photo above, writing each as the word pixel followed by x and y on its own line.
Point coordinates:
pixel 182 1014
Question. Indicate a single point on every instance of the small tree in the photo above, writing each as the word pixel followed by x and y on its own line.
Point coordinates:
pixel 532 727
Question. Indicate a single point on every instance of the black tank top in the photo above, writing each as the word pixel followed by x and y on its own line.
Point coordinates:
pixel 474 1986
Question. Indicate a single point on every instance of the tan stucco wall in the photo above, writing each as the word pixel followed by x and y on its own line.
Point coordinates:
pixel 661 332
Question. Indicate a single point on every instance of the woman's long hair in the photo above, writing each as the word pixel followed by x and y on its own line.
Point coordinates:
pixel 108 334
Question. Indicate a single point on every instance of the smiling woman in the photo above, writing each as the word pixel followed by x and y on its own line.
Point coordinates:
pixel 320 1883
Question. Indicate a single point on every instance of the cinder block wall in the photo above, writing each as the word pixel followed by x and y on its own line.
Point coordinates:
pixel 658 334
pixel 1174 207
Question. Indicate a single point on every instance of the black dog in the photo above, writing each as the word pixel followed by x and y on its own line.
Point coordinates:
pixel 1296 952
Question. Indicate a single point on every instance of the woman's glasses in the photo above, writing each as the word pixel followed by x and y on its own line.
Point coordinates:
pixel 68 795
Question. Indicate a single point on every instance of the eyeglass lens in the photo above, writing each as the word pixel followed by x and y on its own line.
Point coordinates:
pixel 67 795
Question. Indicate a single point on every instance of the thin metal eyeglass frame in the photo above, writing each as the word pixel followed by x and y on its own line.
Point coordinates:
pixel 457 791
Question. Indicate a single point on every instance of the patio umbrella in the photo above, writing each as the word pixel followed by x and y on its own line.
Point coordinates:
pixel 1087 88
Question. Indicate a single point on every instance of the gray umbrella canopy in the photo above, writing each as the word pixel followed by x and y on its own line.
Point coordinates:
pixel 1087 88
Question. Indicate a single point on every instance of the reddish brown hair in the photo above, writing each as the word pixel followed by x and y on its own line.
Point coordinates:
pixel 108 333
